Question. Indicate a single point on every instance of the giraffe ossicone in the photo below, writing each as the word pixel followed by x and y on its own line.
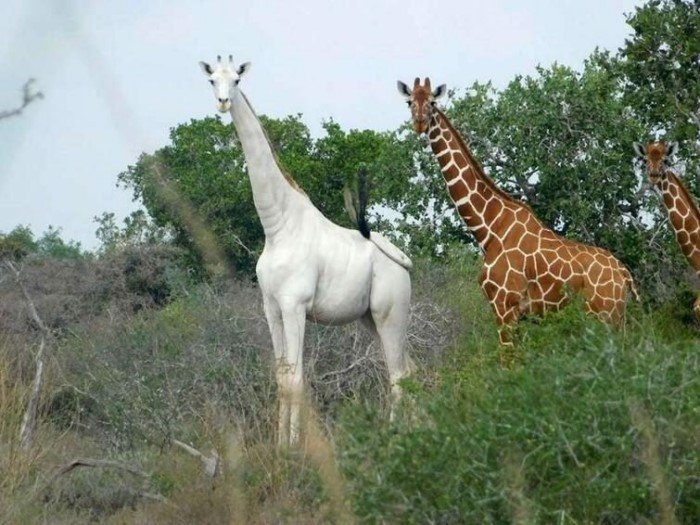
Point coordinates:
pixel 682 208
pixel 527 267
pixel 311 268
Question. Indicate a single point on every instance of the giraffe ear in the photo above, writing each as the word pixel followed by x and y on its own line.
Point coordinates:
pixel 671 148
pixel 403 89
pixel 243 69
pixel 439 91
pixel 639 149
pixel 206 68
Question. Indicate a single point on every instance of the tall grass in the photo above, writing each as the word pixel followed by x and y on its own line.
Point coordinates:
pixel 587 426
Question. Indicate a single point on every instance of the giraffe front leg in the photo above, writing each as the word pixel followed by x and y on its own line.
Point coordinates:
pixel 506 299
pixel 290 374
pixel 274 322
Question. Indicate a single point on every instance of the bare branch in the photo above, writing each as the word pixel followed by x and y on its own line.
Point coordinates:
pixel 107 463
pixel 26 431
pixel 97 463
pixel 28 96
pixel 210 463
pixel 30 304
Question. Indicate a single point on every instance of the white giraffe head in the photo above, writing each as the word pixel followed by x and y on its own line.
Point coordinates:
pixel 224 78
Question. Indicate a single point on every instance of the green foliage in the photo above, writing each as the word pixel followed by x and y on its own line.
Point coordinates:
pixel 661 63
pixel 570 433
pixel 205 163
pixel 50 244
pixel 559 437
pixel 20 242
pixel 138 230
pixel 206 167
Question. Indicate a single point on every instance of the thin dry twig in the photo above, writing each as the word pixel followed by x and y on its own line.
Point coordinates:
pixel 96 463
pixel 28 96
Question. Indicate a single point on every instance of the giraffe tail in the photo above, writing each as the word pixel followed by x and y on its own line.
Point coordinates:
pixel 391 251
pixel 356 204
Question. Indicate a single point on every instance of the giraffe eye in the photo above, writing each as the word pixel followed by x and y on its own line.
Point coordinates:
pixel 211 82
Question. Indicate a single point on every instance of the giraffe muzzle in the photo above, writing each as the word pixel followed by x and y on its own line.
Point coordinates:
pixel 420 126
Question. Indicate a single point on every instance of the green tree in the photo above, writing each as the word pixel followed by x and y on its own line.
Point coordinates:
pixel 50 244
pixel 560 140
pixel 18 243
pixel 206 166
pixel 661 65
pixel 138 230
pixel 21 242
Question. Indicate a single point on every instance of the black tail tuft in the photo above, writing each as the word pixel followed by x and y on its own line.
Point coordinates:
pixel 356 203
pixel 362 203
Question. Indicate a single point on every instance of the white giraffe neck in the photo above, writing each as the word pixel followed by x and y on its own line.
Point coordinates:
pixel 272 191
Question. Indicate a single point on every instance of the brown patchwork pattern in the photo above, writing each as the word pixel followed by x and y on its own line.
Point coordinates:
pixel 683 213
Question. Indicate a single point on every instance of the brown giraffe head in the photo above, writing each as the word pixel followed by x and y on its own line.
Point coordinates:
pixel 657 157
pixel 421 101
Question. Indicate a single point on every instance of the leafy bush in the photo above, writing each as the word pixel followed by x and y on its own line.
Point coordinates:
pixel 570 434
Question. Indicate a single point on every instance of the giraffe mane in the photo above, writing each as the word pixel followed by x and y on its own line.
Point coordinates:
pixel 505 195
pixel 489 182
pixel 284 172
pixel 686 194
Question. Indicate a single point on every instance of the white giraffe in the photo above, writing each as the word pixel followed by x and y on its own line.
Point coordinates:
pixel 311 268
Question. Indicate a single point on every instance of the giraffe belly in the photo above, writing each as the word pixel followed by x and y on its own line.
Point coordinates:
pixel 339 308
pixel 543 296
pixel 344 281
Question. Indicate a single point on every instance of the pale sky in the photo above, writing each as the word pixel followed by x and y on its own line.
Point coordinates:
pixel 118 75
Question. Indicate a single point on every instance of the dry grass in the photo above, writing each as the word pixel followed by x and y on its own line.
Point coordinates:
pixel 120 385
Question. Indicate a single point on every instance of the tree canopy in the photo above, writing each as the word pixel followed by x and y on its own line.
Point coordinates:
pixel 560 139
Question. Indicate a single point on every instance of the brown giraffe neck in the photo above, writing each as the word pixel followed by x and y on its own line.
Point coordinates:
pixel 477 198
pixel 683 215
